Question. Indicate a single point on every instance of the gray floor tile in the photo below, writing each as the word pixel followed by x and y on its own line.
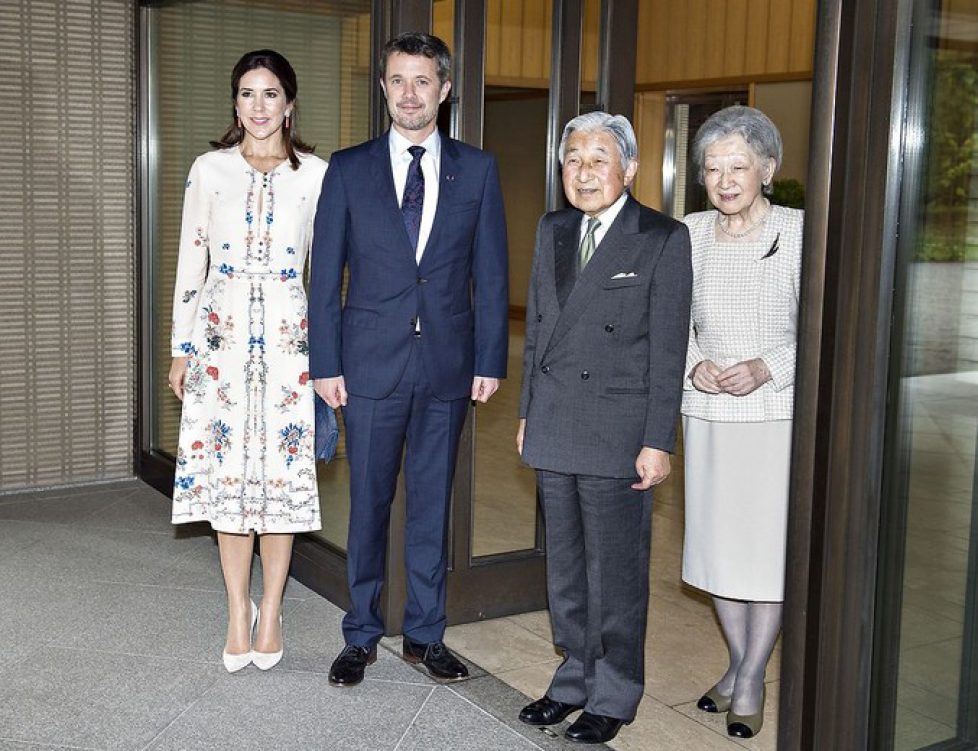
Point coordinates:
pixel 15 536
pixel 282 710
pixel 113 486
pixel 504 704
pixel 68 510
pixel 96 700
pixel 8 745
pixel 448 722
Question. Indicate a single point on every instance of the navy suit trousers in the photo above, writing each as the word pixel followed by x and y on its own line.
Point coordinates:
pixel 425 430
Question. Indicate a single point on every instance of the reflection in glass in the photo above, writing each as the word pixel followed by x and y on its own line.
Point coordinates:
pixel 939 387
pixel 193 47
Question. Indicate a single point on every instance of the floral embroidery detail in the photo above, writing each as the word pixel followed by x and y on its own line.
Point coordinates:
pixel 294 340
pixel 193 382
pixel 216 332
pixel 224 395
pixel 290 250
pixel 221 437
pixel 292 435
pixel 286 274
pixel 226 246
pixel 212 372
pixel 184 483
pixel 187 348
pixel 289 398
pixel 202 239
pixel 189 295
pixel 303 377
pixel 227 270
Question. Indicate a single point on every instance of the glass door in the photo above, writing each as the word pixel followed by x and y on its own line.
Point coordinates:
pixel 926 682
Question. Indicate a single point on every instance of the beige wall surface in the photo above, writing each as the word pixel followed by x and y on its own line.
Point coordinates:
pixel 788 104
pixel 67 256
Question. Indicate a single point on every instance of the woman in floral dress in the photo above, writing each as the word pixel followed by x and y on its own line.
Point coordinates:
pixel 245 462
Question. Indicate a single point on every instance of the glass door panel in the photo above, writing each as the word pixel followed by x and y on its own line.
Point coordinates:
pixel 504 517
pixel 931 467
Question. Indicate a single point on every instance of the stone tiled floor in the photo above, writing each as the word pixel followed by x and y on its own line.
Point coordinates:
pixel 113 623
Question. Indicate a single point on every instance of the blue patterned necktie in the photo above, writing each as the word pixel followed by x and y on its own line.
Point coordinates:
pixel 413 200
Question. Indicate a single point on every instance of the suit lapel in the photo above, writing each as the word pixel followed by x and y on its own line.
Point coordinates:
pixel 565 257
pixel 382 178
pixel 449 169
pixel 620 239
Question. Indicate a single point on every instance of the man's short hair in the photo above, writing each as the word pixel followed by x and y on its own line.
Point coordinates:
pixel 419 43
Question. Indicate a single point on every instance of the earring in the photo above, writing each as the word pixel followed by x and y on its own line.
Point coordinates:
pixel 286 122
pixel 237 119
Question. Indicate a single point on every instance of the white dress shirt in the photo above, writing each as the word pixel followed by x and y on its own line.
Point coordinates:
pixel 430 163
pixel 606 217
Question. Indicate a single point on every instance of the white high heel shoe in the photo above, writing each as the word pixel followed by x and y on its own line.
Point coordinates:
pixel 268 660
pixel 234 663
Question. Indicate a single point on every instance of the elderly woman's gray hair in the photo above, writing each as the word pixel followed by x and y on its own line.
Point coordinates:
pixel 616 125
pixel 750 124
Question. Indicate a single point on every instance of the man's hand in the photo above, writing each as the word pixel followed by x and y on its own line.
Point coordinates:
pixel 519 435
pixel 704 377
pixel 483 388
pixel 744 377
pixel 332 390
pixel 652 466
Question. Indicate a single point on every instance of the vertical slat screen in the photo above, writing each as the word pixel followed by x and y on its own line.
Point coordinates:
pixel 67 334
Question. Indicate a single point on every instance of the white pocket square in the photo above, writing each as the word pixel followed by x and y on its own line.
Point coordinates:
pixel 623 275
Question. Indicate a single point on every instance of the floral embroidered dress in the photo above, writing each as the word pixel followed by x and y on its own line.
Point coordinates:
pixel 245 459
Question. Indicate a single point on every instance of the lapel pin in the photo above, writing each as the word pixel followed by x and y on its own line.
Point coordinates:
pixel 450 178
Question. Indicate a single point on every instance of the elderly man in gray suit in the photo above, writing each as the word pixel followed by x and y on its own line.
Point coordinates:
pixel 607 322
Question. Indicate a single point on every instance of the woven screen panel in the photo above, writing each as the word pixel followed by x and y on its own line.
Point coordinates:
pixel 67 296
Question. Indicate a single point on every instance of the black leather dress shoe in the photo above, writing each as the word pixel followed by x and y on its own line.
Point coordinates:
pixel 439 662
pixel 546 711
pixel 348 668
pixel 593 728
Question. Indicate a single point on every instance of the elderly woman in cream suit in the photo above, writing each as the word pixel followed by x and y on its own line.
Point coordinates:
pixel 737 403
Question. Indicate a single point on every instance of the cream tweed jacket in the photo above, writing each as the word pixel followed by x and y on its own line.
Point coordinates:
pixel 745 305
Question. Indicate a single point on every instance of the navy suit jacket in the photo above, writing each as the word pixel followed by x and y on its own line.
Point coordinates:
pixel 460 288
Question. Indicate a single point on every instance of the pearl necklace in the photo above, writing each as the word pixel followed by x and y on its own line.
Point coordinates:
pixel 744 233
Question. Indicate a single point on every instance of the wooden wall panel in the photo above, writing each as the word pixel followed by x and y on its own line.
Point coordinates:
pixel 735 38
pixel 680 42
pixel 685 43
pixel 756 35
pixel 650 114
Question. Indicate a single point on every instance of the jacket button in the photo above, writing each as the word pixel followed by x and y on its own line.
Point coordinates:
pixel 585 375
pixel 545 369
pixel 421 280
pixel 539 317
pixel 609 328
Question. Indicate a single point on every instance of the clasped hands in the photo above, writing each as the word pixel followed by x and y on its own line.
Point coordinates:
pixel 737 380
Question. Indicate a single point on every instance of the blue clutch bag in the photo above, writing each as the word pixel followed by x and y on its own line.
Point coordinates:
pixel 327 431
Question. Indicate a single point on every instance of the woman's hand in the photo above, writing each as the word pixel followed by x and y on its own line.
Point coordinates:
pixel 704 377
pixel 744 377
pixel 178 371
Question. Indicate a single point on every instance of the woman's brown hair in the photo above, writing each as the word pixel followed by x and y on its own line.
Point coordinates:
pixel 278 66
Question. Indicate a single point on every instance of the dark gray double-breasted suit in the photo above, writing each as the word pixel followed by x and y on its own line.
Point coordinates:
pixel 602 378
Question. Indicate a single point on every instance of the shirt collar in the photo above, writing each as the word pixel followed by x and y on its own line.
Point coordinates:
pixel 399 145
pixel 608 216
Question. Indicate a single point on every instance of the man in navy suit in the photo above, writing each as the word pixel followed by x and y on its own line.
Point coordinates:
pixel 417 220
